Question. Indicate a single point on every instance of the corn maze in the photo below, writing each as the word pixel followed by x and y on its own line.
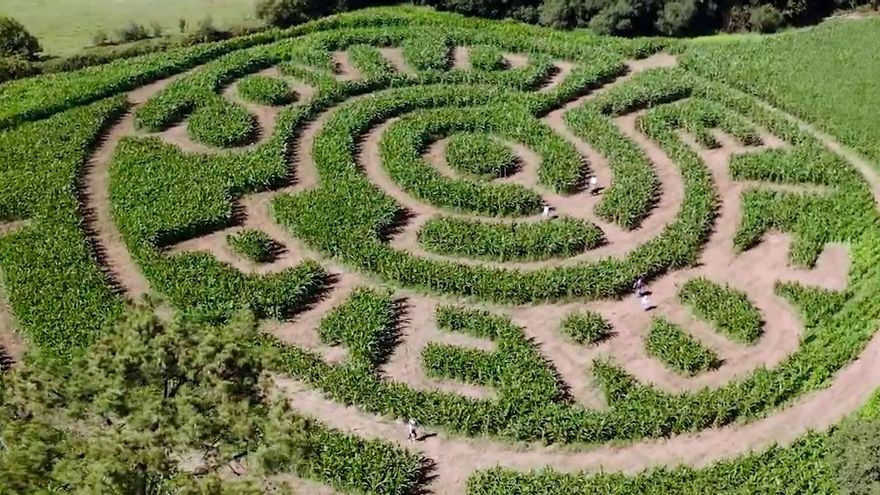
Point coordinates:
pixel 372 186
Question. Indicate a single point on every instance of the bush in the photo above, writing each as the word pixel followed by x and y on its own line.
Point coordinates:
pixel 586 327
pixel 265 90
pixel 205 32
pixel 676 17
pixel 765 18
pixel 854 456
pixel 132 32
pixel 285 13
pixel 16 41
pixel 480 155
pixel 16 68
pixel 728 309
pixel 252 244
pixel 678 350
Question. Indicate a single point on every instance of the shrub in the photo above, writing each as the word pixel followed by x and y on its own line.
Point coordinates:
pixel 100 38
pixel 16 68
pixel 765 18
pixel 676 17
pixel 670 344
pixel 253 244
pixel 586 327
pixel 854 456
pixel 284 13
pixel 16 41
pixel 728 309
pixel 528 241
pixel 222 124
pixel 265 90
pixel 480 155
pixel 132 32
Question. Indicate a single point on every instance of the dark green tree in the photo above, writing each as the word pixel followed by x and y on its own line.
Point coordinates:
pixel 16 41
pixel 152 408
pixel 284 13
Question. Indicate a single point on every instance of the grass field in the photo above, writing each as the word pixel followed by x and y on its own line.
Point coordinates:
pixel 373 189
pixel 828 74
pixel 66 26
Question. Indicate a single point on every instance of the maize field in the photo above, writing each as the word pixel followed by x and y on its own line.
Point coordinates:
pixel 404 199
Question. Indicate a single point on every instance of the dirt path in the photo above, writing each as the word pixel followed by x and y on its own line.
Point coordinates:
pixel 461 58
pixel 345 70
pixel 418 329
pixel 95 204
pixel 561 72
pixel 396 59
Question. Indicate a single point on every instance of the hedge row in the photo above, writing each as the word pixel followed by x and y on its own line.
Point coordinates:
pixel 527 241
pixel 50 275
pixel 354 465
pixel 265 90
pixel 516 368
pixel 671 344
pixel 254 245
pixel 636 410
pixel 162 196
pixel 480 155
pixel 485 57
pixel 728 309
pixel 401 151
pixel 365 324
pixel 223 124
pixel 427 52
pixel 798 468
pixel 370 62
pixel 352 239
pixel 635 188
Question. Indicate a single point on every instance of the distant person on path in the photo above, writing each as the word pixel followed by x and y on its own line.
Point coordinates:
pixel 640 287
pixel 646 303
pixel 412 435
pixel 546 211
pixel 594 185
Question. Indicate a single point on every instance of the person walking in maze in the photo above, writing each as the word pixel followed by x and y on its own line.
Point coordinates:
pixel 594 185
pixel 639 287
pixel 412 435
pixel 646 303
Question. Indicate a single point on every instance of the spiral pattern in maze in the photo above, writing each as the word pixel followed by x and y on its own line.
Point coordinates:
pixel 403 180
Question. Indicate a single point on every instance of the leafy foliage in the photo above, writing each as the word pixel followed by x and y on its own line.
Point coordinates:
pixel 852 454
pixel 253 244
pixel 670 344
pixel 561 237
pixel 480 155
pixel 586 327
pixel 728 309
pixel 265 90
pixel 16 41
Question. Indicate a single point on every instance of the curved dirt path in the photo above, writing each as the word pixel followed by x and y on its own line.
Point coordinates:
pixel 396 59
pixel 95 205
pixel 265 116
